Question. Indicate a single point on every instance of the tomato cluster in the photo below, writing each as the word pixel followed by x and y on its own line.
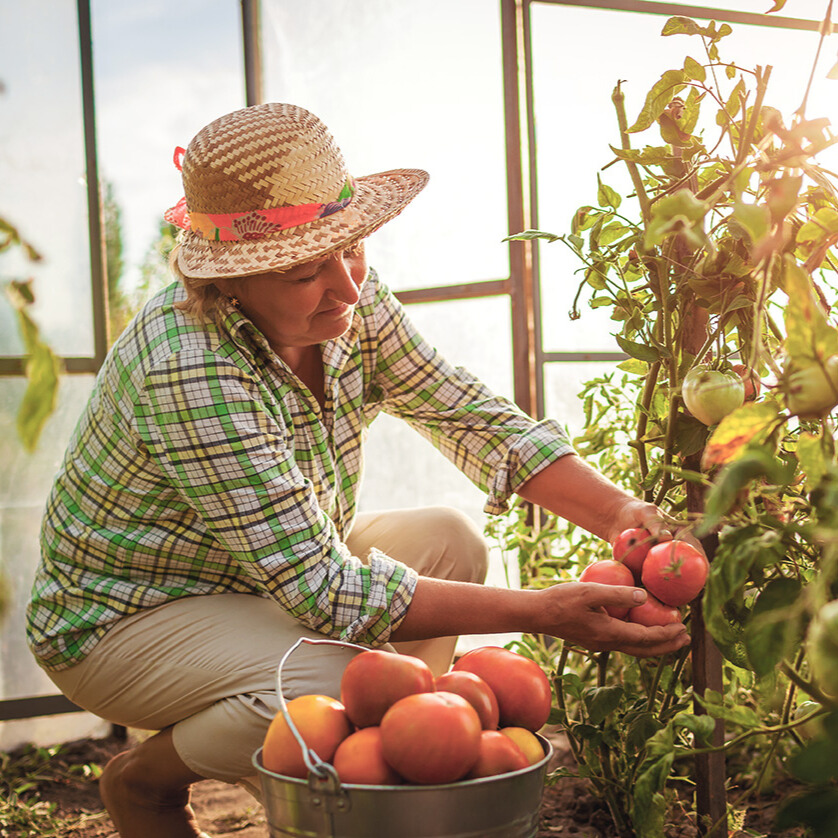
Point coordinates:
pixel 396 723
pixel 672 572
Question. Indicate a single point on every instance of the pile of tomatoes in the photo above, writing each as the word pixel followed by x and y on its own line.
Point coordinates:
pixel 672 572
pixel 396 723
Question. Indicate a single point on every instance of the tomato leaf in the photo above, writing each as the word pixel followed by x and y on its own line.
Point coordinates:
pixel 817 809
pixel 640 351
pixel 602 702
pixel 813 460
pixel 810 338
pixel 648 805
pixel 774 628
pixel 663 91
pixel 748 424
pixel 529 235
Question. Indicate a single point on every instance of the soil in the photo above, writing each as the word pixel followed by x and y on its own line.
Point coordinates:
pixel 569 808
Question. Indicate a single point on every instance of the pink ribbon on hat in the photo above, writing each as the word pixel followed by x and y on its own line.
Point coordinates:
pixel 251 225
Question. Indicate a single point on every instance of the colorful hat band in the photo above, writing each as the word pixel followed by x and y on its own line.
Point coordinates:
pixel 253 224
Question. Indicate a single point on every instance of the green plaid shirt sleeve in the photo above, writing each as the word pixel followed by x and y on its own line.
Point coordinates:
pixel 494 443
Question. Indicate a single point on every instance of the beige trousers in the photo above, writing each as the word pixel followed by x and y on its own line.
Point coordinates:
pixel 206 665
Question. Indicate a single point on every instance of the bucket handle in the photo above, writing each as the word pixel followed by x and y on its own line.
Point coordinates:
pixel 316 766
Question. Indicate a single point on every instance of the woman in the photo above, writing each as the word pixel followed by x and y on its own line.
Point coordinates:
pixel 205 514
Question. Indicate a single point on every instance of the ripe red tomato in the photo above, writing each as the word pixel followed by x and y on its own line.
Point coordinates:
pixel 675 572
pixel 654 613
pixel 360 759
pixel 630 548
pixel 519 684
pixel 431 738
pixel 711 394
pixel 813 391
pixel 374 680
pixel 498 754
pixel 322 722
pixel 475 691
pixel 609 572
pixel 753 386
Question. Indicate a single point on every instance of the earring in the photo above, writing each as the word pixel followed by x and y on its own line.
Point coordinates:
pixel 233 302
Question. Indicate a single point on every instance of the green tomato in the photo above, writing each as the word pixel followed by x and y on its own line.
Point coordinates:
pixel 711 394
pixel 822 648
pixel 812 392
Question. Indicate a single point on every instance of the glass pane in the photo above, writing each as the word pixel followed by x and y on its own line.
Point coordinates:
pixel 42 169
pixel 801 9
pixel 25 481
pixel 163 71
pixel 407 85
pixel 576 122
pixel 563 382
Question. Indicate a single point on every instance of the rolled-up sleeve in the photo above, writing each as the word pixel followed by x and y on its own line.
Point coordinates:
pixel 491 440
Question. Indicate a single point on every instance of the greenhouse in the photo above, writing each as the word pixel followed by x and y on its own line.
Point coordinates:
pixel 419 418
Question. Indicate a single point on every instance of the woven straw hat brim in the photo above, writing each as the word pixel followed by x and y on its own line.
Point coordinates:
pixel 377 199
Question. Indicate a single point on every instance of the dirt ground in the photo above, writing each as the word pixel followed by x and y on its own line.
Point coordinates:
pixel 568 807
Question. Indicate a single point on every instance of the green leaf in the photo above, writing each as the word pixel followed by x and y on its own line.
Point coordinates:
pixel 641 729
pixel 529 235
pixel 816 809
pixel 810 338
pixel 648 805
pixel 606 196
pixel 701 726
pixel 822 224
pixel 602 702
pixel 773 629
pixel 812 458
pixel 732 479
pixel 638 350
pixel 679 213
pixel 634 366
pixel 694 70
pixel 754 219
pixel 650 155
pixel 663 91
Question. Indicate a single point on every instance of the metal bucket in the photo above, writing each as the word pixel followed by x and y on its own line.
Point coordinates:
pixel 503 806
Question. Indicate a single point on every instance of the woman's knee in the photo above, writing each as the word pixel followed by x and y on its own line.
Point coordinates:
pixel 463 541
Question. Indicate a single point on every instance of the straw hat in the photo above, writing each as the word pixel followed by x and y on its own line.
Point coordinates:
pixel 266 188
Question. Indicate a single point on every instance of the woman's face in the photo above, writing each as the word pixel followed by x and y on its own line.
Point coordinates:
pixel 305 305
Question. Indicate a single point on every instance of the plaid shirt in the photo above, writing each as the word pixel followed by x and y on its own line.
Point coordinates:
pixel 202 465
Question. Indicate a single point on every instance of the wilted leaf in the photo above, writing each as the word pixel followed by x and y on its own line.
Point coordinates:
pixel 694 70
pixel 650 155
pixel 669 85
pixel 679 25
pixel 679 213
pixel 810 338
pixel 750 423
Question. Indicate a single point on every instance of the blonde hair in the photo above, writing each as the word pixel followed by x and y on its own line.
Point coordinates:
pixel 202 295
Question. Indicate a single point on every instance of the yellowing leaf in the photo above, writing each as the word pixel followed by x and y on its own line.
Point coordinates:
pixel 750 423
pixel 669 85
pixel 810 338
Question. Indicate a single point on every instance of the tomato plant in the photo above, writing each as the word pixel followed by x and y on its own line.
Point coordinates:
pixel 716 254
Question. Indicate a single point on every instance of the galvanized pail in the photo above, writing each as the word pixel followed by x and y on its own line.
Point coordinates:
pixel 503 806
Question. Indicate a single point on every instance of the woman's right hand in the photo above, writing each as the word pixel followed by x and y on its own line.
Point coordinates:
pixel 575 611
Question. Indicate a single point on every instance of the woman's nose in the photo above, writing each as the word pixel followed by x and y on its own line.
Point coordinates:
pixel 345 285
